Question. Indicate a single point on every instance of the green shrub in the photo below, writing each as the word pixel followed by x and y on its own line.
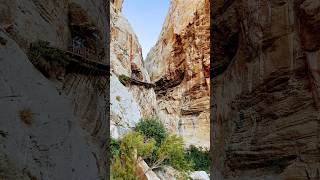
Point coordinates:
pixel 125 80
pixel 169 148
pixel 114 147
pixel 152 128
pixel 132 146
pixel 134 141
pixel 171 152
pixel 40 52
pixel 122 170
pixel 199 157
pixel 152 143
pixel 42 49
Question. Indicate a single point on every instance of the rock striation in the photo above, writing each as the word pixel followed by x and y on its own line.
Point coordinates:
pixel 179 65
pixel 265 87
pixel 50 128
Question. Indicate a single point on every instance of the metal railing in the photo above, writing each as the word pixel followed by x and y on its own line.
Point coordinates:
pixel 85 52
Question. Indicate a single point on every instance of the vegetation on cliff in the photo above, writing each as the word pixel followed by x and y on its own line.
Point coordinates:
pixel 157 147
pixel 40 49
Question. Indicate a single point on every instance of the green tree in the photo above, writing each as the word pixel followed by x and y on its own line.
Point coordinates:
pixel 152 128
pixel 169 149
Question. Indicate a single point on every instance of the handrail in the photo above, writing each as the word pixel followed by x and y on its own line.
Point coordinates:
pixel 142 82
pixel 135 81
pixel 84 53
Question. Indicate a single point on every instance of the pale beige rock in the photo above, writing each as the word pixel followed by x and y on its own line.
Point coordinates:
pixel 167 173
pixel 145 170
pixel 128 104
pixel 199 175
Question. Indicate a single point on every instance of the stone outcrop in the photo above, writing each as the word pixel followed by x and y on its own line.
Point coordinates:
pixel 199 175
pixel 144 171
pixel 50 128
pixel 167 172
pixel 179 66
pixel 265 78
pixel 128 103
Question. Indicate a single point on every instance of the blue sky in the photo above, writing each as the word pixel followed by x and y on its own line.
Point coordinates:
pixel 146 18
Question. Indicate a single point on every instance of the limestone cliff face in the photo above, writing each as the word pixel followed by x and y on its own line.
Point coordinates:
pixel 128 103
pixel 265 76
pixel 179 65
pixel 50 127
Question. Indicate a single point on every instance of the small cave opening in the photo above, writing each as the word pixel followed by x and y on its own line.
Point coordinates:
pixel 224 50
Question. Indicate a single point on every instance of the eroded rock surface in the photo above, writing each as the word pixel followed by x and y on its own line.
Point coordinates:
pixel 132 102
pixel 179 66
pixel 51 128
pixel 265 76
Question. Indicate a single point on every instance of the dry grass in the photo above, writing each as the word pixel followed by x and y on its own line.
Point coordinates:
pixel 26 116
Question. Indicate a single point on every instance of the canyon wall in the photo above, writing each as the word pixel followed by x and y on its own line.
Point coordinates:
pixel 179 66
pixel 265 78
pixel 53 123
pixel 129 103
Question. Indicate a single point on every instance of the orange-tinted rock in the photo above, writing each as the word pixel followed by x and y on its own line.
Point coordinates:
pixel 179 65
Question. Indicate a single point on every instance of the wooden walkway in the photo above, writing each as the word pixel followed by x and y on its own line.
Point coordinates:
pixel 125 80
pixel 85 60
pixel 142 83
pixel 81 61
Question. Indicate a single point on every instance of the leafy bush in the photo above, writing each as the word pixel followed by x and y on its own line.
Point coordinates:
pixel 114 147
pixel 41 49
pixel 46 58
pixel 199 157
pixel 169 148
pixel 171 152
pixel 122 170
pixel 132 145
pixel 152 143
pixel 125 80
pixel 152 128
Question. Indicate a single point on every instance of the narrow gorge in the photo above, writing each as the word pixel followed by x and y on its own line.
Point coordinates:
pixel 172 83
pixel 178 66
pixel 240 77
